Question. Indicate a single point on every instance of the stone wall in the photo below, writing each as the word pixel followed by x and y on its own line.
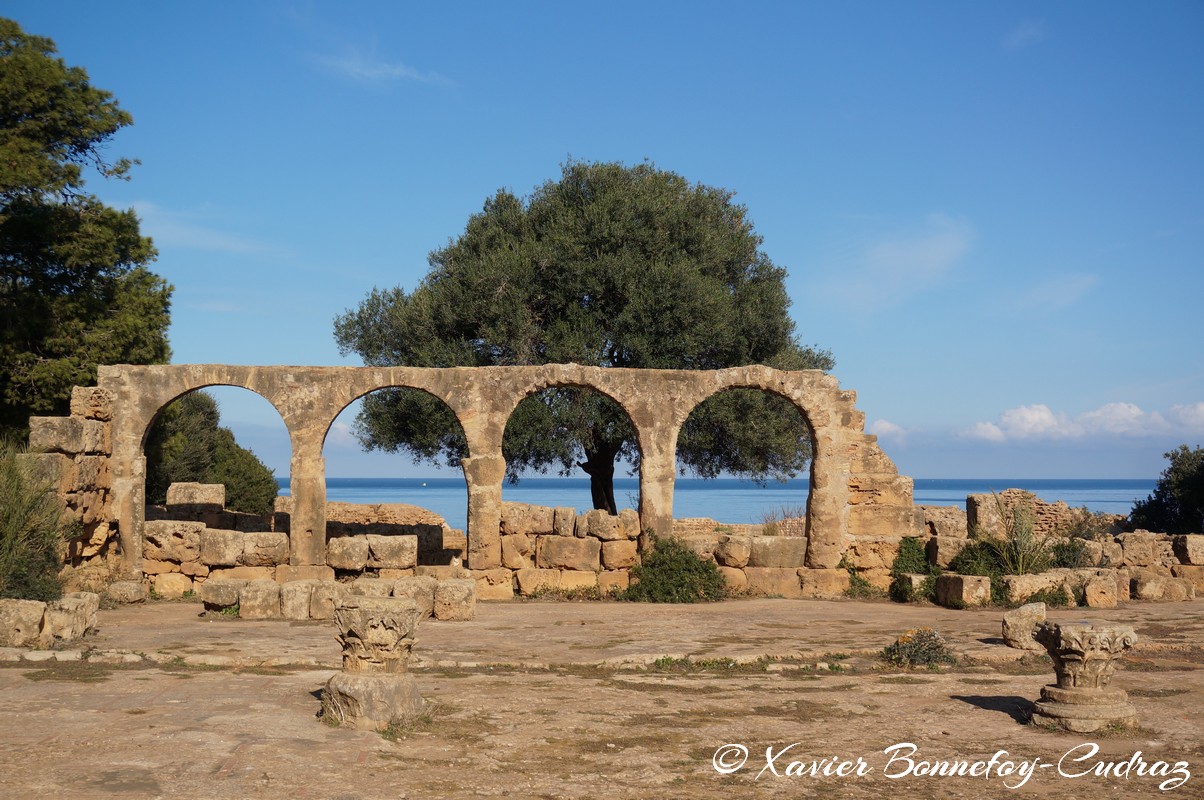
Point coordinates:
pixel 991 513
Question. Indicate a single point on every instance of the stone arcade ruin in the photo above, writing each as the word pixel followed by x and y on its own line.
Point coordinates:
pixel 857 499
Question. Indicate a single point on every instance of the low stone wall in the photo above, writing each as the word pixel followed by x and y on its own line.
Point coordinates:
pixel 437 591
pixel 32 623
pixel 989 513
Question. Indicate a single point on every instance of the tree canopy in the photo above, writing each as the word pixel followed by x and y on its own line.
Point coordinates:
pixel 612 266
pixel 1177 504
pixel 74 288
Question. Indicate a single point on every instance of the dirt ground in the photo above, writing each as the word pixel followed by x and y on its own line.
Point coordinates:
pixel 587 700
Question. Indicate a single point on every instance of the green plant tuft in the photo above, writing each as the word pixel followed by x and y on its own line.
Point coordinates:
pixel 672 573
pixel 919 647
pixel 32 533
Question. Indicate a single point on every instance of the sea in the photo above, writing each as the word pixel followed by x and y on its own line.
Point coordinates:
pixel 728 500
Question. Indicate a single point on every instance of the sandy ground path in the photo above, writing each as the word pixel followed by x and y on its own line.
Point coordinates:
pixel 565 700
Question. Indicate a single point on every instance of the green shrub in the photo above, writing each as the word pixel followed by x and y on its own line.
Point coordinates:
pixel 919 647
pixel 912 560
pixel 1071 554
pixel 32 534
pixel 860 588
pixel 672 573
pixel 1056 597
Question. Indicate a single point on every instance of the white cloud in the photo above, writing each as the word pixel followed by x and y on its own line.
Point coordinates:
pixel 884 429
pixel 987 431
pixel 1190 417
pixel 1126 420
pixel 1057 292
pixel 341 437
pixel 888 271
pixel 361 66
pixel 1027 33
pixel 182 229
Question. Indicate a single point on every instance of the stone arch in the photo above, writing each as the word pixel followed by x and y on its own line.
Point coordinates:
pixel 856 490
pixel 542 386
pixel 776 393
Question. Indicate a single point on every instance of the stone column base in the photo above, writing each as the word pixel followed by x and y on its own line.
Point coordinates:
pixel 370 702
pixel 1084 710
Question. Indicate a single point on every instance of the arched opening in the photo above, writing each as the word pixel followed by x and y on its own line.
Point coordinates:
pixel 584 438
pixel 225 435
pixel 746 456
pixel 210 496
pixel 392 461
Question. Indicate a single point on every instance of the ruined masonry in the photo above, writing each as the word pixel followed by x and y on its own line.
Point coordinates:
pixel 857 498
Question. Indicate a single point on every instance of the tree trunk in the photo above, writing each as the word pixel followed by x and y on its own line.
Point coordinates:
pixel 600 466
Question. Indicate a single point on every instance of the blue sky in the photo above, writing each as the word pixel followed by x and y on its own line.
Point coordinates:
pixel 991 213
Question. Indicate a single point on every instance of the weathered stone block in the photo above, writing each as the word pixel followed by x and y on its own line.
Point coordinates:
pixel 369 587
pixel 295 598
pixel 242 574
pixel 443 572
pixel 517 551
pixel 56 434
pixel 171 585
pixel 531 581
pixel 95 437
pixel 564 520
pixel 388 574
pixel 347 552
pixel 286 573
pixel 880 578
pixel 1192 573
pixel 962 591
pixel 393 552
pixel 561 552
pixel 614 581
pixel 734 551
pixel 1020 624
pixel 264 549
pixel 259 600
pixel 573 580
pixel 1137 548
pixel 152 567
pixel 1020 588
pixel 368 701
pixel 494 584
pixel 735 578
pixel 629 523
pixel 1189 549
pixel 323 597
pixel 526 518
pixel 944 521
pixel 20 622
pixel 219 595
pixel 170 540
pixel 420 589
pixel 195 495
pixel 51 470
pixel 91 402
pixel 872 552
pixel 1100 592
pixel 823 584
pixel 777 551
pixel 126 592
pixel 220 548
pixel 941 550
pixel 455 600
pixel 622 554
pixel 193 569
pixel 774 581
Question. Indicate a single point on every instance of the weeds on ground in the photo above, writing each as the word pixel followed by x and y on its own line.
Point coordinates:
pixel 785 520
pixel 401 727
pixel 919 647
